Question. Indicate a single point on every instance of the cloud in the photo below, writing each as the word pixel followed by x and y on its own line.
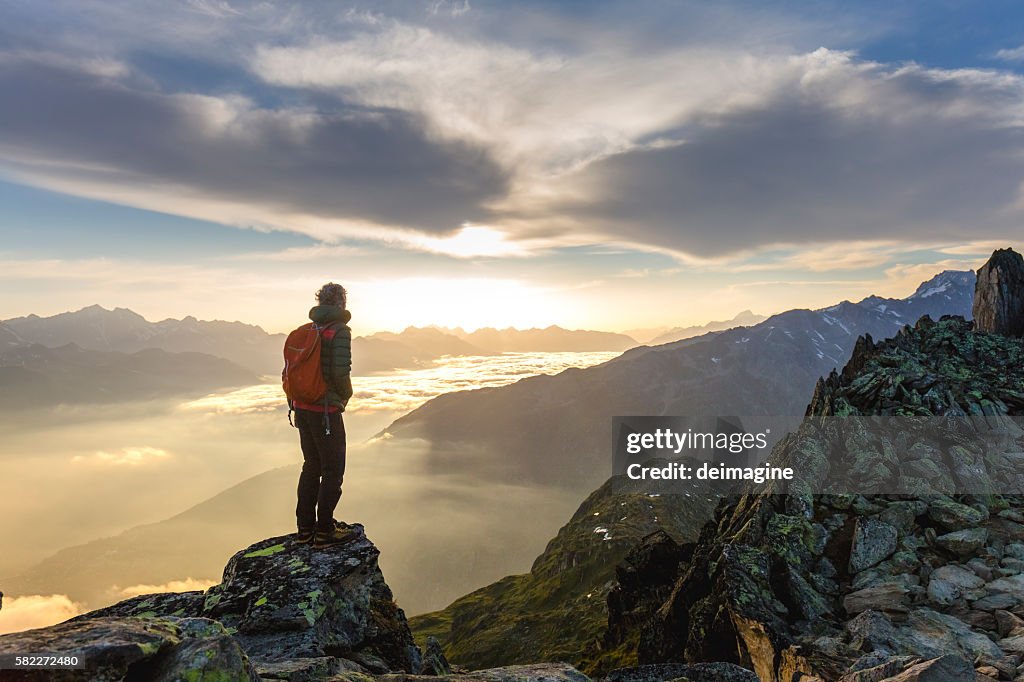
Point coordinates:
pixel 423 130
pixel 836 150
pixel 1013 54
pixel 186 585
pixel 36 611
pixel 339 171
pixel 131 456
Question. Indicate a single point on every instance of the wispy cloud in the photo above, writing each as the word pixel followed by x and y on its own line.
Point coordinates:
pixel 130 456
pixel 1011 54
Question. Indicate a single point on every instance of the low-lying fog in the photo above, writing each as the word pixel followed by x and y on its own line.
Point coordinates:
pixel 70 476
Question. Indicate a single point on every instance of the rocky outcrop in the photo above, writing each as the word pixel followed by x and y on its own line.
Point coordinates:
pixel 999 294
pixel 283 611
pixel 802 581
pixel 160 649
pixel 294 611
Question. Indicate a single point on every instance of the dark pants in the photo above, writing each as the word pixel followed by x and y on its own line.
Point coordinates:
pixel 323 468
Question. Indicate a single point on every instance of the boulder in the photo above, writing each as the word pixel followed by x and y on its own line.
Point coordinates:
pixel 1007 622
pixel 999 294
pixel 954 516
pixel 947 668
pixel 160 649
pixel 928 633
pixel 890 596
pixel 1011 585
pixel 952 582
pixel 964 542
pixel 289 600
pixel 877 666
pixel 873 542
pixel 285 600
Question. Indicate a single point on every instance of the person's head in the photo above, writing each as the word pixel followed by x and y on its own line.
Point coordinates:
pixel 332 294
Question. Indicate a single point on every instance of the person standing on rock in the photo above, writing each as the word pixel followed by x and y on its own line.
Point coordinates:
pixel 317 380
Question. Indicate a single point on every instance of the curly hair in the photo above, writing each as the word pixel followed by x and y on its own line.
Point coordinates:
pixel 332 294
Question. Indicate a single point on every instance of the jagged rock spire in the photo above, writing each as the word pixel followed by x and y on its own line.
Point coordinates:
pixel 999 294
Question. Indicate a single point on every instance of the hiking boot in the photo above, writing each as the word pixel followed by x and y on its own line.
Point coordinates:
pixel 304 536
pixel 337 536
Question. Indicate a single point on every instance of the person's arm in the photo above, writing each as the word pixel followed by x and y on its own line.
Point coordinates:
pixel 341 346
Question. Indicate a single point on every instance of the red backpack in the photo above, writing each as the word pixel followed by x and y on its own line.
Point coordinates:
pixel 303 377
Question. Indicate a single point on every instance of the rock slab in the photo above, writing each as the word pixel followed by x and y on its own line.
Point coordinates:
pixel 118 648
pixel 999 294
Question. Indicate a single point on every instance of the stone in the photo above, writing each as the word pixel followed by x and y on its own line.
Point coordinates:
pixel 1011 585
pixel 434 660
pixel 952 582
pixel 954 516
pixel 1014 644
pixel 178 604
pixel 978 619
pixel 694 672
pixel 997 601
pixel 928 633
pixel 152 648
pixel 980 568
pixel 285 600
pixel 964 542
pixel 1011 515
pixel 873 542
pixel 1007 622
pixel 948 668
pixel 888 596
pixel 877 666
pixel 903 514
pixel 306 669
pixel 999 294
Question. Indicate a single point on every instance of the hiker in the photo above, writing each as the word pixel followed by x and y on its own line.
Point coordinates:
pixel 317 379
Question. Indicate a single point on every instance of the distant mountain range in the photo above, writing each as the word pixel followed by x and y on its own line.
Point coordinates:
pixel 556 429
pixel 542 431
pixel 743 319
pixel 121 330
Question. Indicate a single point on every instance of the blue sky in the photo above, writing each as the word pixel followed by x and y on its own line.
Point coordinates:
pixel 484 163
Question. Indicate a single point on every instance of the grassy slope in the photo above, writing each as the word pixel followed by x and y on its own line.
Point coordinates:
pixel 557 611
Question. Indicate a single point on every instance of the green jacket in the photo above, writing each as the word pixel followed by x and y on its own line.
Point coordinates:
pixel 336 352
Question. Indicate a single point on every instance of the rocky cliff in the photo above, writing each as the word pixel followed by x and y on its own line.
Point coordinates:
pixel 797 584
